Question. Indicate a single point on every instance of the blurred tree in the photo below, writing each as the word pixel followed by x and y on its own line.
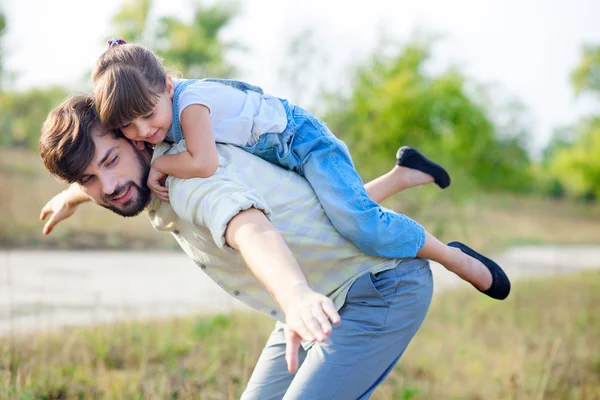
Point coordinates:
pixel 301 71
pixel 193 48
pixel 585 78
pixel 2 32
pixel 574 159
pixel 22 115
pixel 394 102
pixel 131 22
pixel 561 138
pixel 577 166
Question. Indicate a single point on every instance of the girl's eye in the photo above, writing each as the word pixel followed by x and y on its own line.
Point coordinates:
pixel 125 126
pixel 149 115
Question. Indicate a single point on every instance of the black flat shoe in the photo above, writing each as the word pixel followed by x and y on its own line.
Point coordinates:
pixel 411 158
pixel 500 284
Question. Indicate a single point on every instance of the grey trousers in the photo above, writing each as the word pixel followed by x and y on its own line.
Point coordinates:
pixel 381 315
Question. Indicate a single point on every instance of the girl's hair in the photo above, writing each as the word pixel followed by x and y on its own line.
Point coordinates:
pixel 128 80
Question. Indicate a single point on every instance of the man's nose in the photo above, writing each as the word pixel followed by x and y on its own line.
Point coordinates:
pixel 109 184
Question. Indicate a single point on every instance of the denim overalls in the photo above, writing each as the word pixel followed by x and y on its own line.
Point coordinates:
pixel 308 147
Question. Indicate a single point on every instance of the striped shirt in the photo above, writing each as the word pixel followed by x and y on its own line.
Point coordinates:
pixel 200 209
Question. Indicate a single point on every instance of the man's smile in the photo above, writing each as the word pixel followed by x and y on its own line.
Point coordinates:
pixel 124 196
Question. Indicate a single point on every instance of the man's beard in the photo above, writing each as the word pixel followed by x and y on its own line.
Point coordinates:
pixel 135 204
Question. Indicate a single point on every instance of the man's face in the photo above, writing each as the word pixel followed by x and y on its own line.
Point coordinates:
pixel 116 177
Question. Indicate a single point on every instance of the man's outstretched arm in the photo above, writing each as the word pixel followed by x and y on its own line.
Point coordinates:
pixel 308 314
pixel 62 206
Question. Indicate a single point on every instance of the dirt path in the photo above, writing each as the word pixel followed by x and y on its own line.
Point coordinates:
pixel 46 290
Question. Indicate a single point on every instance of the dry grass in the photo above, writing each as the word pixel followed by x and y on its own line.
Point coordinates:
pixel 543 343
pixel 495 222
pixel 488 222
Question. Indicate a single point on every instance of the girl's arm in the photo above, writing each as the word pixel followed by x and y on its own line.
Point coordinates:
pixel 200 160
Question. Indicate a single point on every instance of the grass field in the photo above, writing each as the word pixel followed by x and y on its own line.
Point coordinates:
pixel 492 222
pixel 542 343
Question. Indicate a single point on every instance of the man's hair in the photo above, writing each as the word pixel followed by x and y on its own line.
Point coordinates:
pixel 128 80
pixel 66 142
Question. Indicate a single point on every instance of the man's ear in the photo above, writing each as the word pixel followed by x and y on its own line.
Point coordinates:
pixel 139 144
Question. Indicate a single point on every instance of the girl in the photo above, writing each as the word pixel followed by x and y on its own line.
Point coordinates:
pixel 135 94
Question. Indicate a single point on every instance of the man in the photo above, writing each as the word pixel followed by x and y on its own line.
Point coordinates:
pixel 245 237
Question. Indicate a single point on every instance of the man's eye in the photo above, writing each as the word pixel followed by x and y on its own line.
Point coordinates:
pixel 86 179
pixel 112 161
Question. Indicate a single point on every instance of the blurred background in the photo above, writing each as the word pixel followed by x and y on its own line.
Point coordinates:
pixel 504 94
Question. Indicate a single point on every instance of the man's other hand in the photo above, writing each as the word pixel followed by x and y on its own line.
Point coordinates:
pixel 58 208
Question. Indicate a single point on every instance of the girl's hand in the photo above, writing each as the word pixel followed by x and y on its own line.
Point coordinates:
pixel 156 183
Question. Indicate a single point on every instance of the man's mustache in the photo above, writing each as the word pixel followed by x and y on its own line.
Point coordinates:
pixel 119 191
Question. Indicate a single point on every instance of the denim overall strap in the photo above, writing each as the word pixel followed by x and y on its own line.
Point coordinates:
pixel 175 134
pixel 243 86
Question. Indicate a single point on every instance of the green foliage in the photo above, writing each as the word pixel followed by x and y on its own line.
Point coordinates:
pixel 395 102
pixel 2 32
pixel 572 158
pixel 22 115
pixel 193 48
pixel 585 78
pixel 577 167
pixel 131 20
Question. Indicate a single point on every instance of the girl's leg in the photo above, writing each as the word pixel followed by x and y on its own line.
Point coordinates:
pixel 397 180
pixel 377 231
pixel 308 147
pixel 468 268
pixel 454 260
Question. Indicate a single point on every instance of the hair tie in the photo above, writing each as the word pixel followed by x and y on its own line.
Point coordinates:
pixel 115 42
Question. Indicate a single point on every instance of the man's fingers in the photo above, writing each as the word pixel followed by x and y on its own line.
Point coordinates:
pixel 330 310
pixel 323 321
pixel 45 211
pixel 315 328
pixel 49 225
pixel 302 330
pixel 292 345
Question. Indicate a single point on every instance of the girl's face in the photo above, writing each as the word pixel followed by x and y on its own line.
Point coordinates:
pixel 153 127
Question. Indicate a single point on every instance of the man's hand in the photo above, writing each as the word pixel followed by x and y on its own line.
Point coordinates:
pixel 156 183
pixel 61 207
pixel 308 316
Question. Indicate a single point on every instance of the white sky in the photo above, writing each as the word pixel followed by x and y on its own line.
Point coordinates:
pixel 523 48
